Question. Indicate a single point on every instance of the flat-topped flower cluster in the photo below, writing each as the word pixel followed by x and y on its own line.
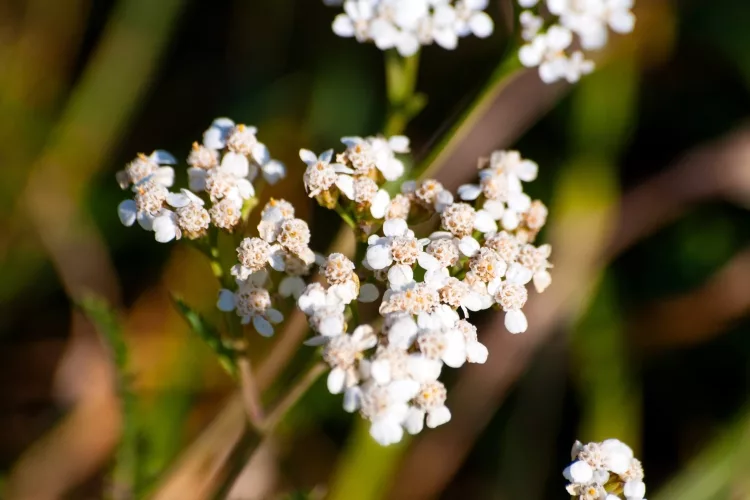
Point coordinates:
pixel 222 168
pixel 604 471
pixel 432 259
pixel 574 26
pixel 406 25
pixel 477 252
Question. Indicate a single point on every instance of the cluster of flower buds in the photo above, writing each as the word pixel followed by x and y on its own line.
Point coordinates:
pixel 481 256
pixel 406 25
pixel 604 471
pixel 270 265
pixel 223 167
pixel 551 48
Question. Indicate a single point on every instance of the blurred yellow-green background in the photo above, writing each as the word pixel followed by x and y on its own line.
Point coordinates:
pixel 644 334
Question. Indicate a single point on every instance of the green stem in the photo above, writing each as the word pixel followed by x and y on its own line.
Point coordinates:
pixel 345 216
pixel 401 83
pixel 354 308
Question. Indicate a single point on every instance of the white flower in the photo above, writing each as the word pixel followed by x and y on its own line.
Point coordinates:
pixel 272 170
pixel 321 175
pixel 148 167
pixel 355 22
pixel 253 304
pixel 408 24
pixel 430 403
pixel 342 353
pixel 589 20
pixel 387 409
pixel 609 463
pixel 215 137
pixel 382 153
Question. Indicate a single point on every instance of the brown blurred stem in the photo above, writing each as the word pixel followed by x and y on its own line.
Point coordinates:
pixel 209 460
pixel 249 391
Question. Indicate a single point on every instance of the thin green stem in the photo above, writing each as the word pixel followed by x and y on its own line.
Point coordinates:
pixel 401 83
pixel 345 216
pixel 354 308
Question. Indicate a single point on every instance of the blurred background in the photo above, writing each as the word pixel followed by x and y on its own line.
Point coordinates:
pixel 644 334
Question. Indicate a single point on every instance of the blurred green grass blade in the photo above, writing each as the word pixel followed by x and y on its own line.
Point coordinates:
pixel 107 323
pixel 497 82
pixel 209 334
pixel 710 476
pixel 365 468
pixel 611 403
pixel 602 112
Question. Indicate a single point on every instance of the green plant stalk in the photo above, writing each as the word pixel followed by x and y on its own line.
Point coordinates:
pixel 404 103
pixel 125 469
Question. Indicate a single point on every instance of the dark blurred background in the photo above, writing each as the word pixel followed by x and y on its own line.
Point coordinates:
pixel 644 334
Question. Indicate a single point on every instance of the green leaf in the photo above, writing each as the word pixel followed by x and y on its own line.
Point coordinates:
pixel 107 323
pixel 209 334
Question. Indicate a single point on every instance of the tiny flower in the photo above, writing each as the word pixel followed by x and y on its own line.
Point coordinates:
pixel 148 167
pixel 321 175
pixel 252 304
pixel 429 402
pixel 342 354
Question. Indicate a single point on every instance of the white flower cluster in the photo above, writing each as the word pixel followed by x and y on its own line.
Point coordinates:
pixel 406 25
pixel 481 256
pixel 223 167
pixel 552 49
pixel 273 263
pixel 357 174
pixel 604 471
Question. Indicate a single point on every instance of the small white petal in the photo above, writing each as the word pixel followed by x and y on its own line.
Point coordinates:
pixel 395 227
pixel 345 183
pixel 352 399
pixel 469 192
pixel 380 204
pixel 127 212
pixel 422 369
pixel 308 156
pixel 634 490
pixel 399 143
pixel 236 164
pixel 331 326
pixel 380 371
pixel 518 274
pixel 316 341
pixel 495 208
pixel 336 381
pixel 581 472
pixel 438 416
pixel 262 326
pixel 163 157
pixel 165 228
pixel 399 276
pixel 274 316
pixel 515 322
pixel 484 222
pixel 468 246
pixel 273 171
pixel 379 256
pixel 481 24
pixel 476 352
pixel 226 300
pixel 414 421
pixel 368 293
pixel 326 156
